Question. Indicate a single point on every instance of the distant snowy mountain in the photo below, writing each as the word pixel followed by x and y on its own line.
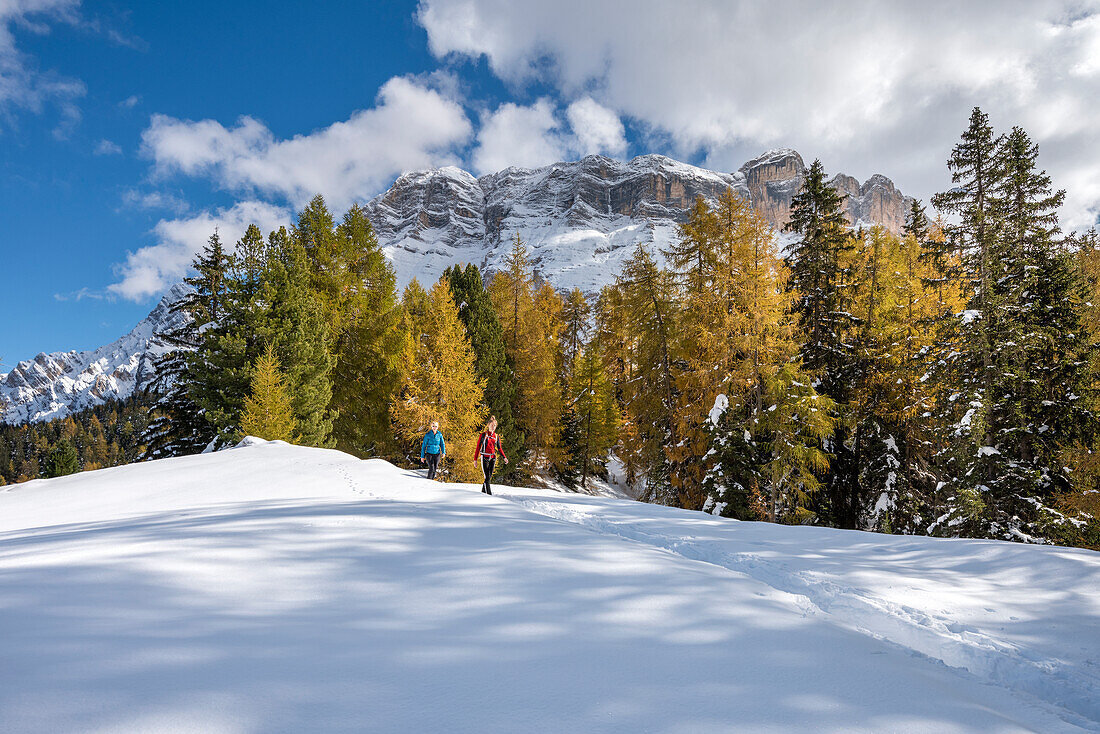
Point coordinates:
pixel 54 385
pixel 277 588
pixel 581 220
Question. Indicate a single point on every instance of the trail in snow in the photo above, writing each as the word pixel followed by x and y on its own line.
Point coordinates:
pixel 1012 660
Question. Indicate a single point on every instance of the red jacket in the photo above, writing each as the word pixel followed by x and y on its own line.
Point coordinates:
pixel 488 444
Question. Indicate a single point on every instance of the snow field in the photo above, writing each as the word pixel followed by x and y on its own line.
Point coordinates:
pixel 275 588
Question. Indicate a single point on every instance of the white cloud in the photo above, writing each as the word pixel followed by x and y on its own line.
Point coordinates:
pixel 130 102
pixel 411 126
pixel 597 129
pixel 79 295
pixel 154 200
pixel 22 85
pixel 534 135
pixel 152 269
pixel 514 135
pixel 871 87
pixel 107 147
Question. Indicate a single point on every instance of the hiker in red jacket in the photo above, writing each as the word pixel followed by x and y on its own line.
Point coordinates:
pixel 488 448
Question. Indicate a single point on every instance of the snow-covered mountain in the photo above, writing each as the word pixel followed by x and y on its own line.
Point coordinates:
pixel 53 385
pixel 582 219
pixel 275 588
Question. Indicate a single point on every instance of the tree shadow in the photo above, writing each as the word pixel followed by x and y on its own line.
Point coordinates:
pixel 460 614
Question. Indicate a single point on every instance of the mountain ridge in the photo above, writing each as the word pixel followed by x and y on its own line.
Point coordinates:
pixel 581 219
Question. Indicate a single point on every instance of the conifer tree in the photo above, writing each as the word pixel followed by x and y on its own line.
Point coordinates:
pixel 702 350
pixel 1042 379
pixel 544 376
pixel 178 426
pixel 530 319
pixel 764 421
pixel 62 460
pixel 976 172
pixel 267 300
pixel 818 262
pixel 369 347
pixel 595 417
pixel 268 413
pixel 486 336
pixel 575 316
pixel 440 381
pixel 328 256
pixel 821 263
pixel 648 310
pixel 293 322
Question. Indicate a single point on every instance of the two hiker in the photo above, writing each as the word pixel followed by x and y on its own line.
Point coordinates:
pixel 433 449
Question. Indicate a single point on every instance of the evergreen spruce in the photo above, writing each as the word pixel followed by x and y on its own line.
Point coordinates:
pixel 179 427
pixel 62 460
pixel 821 264
pixel 294 323
pixel 369 347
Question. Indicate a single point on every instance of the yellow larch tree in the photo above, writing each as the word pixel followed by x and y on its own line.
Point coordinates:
pixel 440 381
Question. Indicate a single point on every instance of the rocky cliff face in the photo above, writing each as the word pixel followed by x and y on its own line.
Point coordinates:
pixel 54 385
pixel 582 219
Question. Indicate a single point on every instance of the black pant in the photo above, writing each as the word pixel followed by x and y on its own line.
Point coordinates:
pixel 433 464
pixel 488 463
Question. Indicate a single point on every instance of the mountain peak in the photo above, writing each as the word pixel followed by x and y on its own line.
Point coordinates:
pixel 776 157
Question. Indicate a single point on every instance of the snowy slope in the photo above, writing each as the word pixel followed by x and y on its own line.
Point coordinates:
pixel 54 385
pixel 281 589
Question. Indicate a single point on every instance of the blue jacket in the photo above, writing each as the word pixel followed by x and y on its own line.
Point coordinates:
pixel 433 444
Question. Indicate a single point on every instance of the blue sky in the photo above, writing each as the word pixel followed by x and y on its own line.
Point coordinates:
pixel 129 130
pixel 70 217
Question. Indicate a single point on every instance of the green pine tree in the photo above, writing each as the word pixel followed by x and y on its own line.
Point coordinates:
pixel 294 323
pixel 62 460
pixel 178 426
pixel 821 264
pixel 369 346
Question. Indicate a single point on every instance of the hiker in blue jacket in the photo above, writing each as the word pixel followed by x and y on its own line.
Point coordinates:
pixel 433 449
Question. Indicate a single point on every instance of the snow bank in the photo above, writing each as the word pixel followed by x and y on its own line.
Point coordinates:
pixel 274 588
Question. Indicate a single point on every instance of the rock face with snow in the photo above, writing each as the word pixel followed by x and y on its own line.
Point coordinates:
pixel 54 385
pixel 582 219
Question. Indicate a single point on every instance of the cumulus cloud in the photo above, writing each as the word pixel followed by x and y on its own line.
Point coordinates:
pixel 596 128
pixel 22 85
pixel 155 268
pixel 154 200
pixel 411 126
pixel 534 135
pixel 514 135
pixel 878 87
